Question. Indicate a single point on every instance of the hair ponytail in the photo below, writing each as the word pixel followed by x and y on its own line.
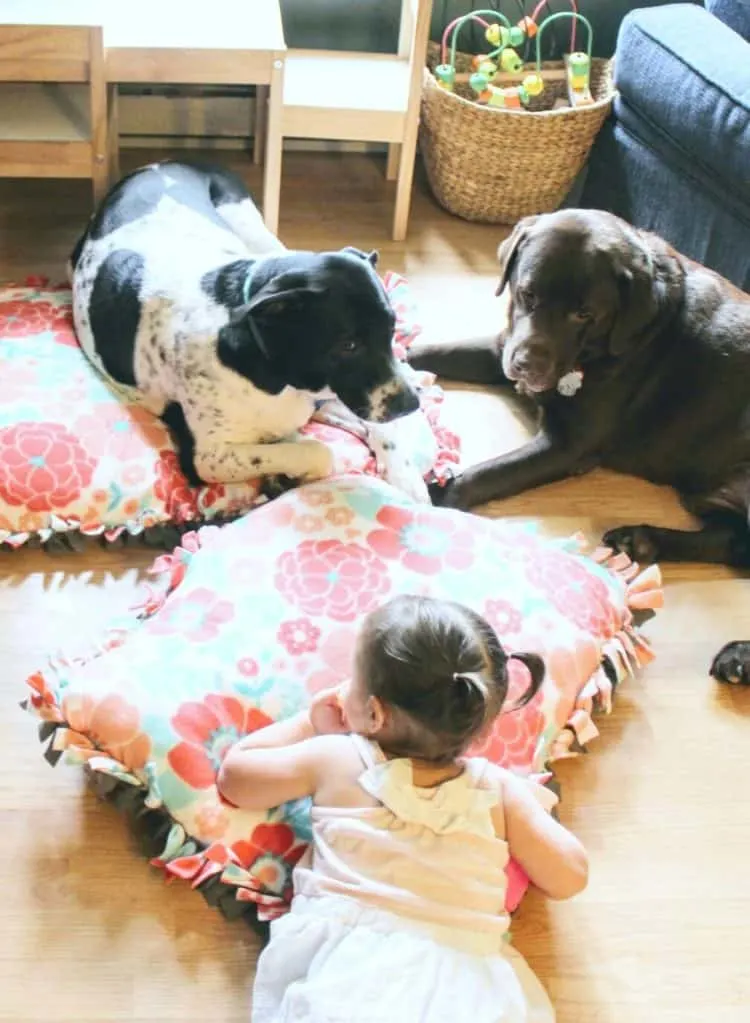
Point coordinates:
pixel 535 667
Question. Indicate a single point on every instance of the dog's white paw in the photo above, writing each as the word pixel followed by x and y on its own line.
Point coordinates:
pixel 394 464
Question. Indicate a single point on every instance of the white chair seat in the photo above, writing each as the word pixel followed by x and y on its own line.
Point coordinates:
pixel 353 97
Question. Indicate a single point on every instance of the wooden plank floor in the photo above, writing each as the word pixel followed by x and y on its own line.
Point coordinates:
pixel 90 933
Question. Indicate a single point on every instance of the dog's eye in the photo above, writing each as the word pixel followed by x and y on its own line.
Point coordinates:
pixel 582 315
pixel 349 347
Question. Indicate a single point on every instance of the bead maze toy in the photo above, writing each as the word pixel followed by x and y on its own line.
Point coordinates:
pixel 503 62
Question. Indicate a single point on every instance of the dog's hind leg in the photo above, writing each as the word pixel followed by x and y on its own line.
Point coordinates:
pixel 235 206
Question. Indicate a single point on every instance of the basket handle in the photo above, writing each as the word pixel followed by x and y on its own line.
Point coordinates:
pixel 556 17
pixel 474 16
pixel 574 9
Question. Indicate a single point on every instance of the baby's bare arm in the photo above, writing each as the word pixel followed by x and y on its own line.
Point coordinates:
pixel 553 858
pixel 261 778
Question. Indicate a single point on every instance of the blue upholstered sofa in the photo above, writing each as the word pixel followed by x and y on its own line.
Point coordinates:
pixel 675 155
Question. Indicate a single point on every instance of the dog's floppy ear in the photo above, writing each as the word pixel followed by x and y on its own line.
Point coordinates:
pixel 639 295
pixel 245 344
pixel 508 250
pixel 371 257
pixel 275 299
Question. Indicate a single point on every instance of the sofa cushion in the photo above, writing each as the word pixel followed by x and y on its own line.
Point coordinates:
pixel 688 76
pixel 735 13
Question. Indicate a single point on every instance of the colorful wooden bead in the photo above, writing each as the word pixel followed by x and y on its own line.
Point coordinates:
pixel 492 35
pixel 516 36
pixel 446 76
pixel 511 62
pixel 533 84
pixel 487 68
pixel 479 82
pixel 529 27
pixel 579 63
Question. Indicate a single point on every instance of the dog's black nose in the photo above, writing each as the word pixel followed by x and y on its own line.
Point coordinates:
pixel 531 361
pixel 402 403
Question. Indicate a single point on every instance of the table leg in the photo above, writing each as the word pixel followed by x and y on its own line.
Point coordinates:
pixel 259 127
pixel 274 143
pixel 393 161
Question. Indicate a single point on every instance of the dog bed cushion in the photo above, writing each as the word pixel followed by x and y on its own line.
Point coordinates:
pixel 250 619
pixel 76 457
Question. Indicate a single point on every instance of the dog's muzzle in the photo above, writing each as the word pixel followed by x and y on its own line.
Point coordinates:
pixel 391 401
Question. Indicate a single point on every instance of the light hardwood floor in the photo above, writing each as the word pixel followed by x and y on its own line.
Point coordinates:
pixel 90 933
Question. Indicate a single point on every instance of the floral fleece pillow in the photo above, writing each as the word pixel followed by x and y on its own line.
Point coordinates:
pixel 76 457
pixel 253 618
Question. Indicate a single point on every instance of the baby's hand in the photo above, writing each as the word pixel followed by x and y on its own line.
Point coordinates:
pixel 326 713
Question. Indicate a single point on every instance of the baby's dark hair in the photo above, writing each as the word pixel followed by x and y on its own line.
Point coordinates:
pixel 441 670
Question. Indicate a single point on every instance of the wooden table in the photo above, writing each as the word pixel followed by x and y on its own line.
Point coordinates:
pixel 219 42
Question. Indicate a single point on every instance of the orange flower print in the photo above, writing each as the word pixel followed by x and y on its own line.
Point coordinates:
pixel 339 516
pixel 314 497
pixel 309 523
pixel 208 729
pixel 111 724
pixel 212 822
pixel 270 855
pixel 421 540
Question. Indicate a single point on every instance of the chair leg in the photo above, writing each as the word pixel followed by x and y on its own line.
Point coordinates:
pixel 392 163
pixel 274 143
pixel 259 127
pixel 100 179
pixel 404 185
pixel 113 133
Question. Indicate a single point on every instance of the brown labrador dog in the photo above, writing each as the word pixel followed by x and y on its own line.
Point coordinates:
pixel 659 351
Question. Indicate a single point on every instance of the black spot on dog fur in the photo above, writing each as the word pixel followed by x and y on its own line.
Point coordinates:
pixel 124 204
pixel 226 285
pixel 174 419
pixel 115 312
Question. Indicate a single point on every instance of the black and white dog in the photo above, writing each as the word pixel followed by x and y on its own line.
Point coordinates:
pixel 180 291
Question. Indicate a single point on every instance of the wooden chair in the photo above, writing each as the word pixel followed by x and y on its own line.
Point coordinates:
pixel 53 104
pixel 364 97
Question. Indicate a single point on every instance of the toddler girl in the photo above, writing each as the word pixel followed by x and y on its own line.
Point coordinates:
pixel 398 910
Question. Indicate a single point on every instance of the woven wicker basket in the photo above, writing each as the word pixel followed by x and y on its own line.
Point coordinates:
pixel 496 166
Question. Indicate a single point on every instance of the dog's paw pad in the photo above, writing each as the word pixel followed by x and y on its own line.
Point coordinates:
pixel 732 664
pixel 638 542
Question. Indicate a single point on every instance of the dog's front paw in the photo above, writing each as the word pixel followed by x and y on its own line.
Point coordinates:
pixel 449 495
pixel 275 486
pixel 638 542
pixel 732 664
